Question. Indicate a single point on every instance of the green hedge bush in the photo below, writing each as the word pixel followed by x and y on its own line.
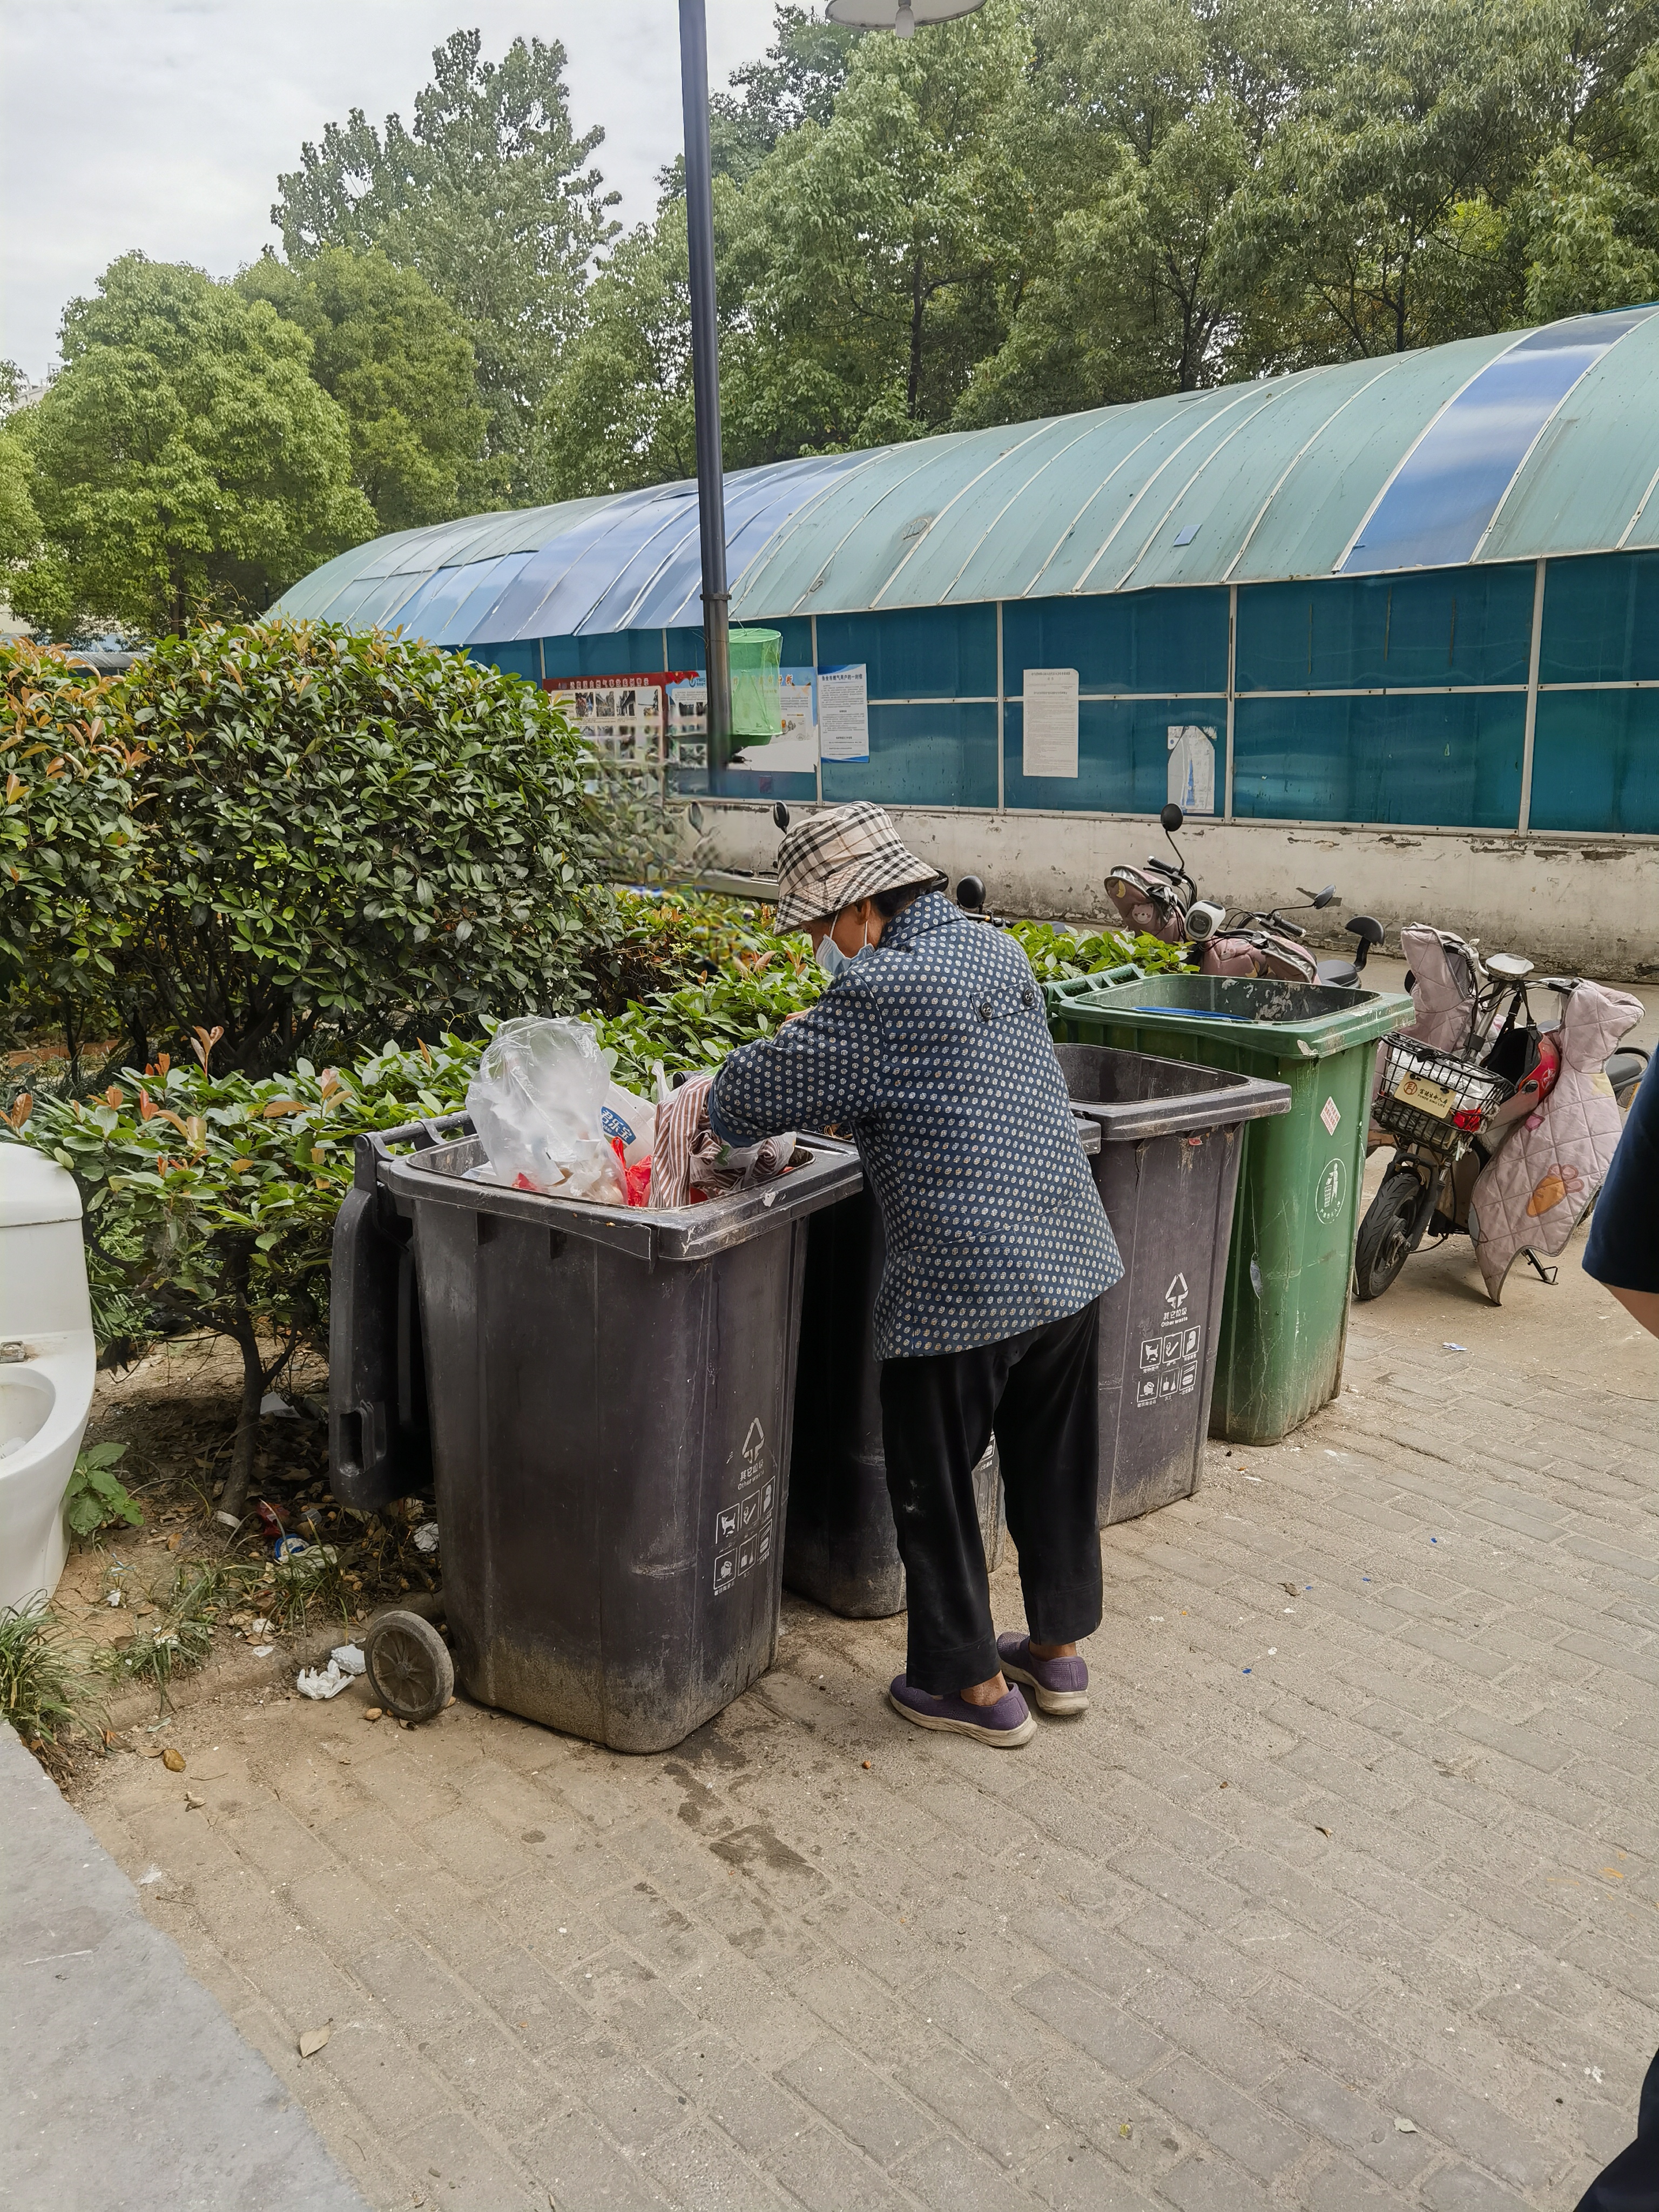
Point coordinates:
pixel 70 841
pixel 353 835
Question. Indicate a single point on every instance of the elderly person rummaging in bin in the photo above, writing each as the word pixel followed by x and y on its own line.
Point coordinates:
pixel 930 1046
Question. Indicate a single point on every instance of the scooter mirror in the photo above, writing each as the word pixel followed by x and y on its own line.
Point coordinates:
pixel 1171 818
pixel 780 814
pixel 970 895
pixel 1323 899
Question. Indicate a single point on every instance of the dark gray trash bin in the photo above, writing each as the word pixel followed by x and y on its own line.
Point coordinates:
pixel 1167 1172
pixel 841 1549
pixel 611 1394
pixel 379 1437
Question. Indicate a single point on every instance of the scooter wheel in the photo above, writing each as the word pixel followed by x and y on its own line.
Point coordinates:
pixel 409 1666
pixel 1385 1242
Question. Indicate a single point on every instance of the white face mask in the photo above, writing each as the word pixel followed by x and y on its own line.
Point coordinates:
pixel 829 956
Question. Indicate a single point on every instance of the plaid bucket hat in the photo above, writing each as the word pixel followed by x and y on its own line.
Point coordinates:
pixel 840 856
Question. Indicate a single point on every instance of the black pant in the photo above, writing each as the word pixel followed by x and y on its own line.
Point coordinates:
pixel 1039 1394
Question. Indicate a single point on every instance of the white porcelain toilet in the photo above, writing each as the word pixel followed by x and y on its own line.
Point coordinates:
pixel 48 1362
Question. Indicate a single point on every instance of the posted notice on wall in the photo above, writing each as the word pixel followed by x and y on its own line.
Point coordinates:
pixel 1050 722
pixel 1192 766
pixel 843 713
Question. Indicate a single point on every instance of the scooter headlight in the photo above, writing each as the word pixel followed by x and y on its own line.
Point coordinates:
pixel 1203 921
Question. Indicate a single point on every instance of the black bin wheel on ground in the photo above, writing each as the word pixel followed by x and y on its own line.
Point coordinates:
pixel 409 1665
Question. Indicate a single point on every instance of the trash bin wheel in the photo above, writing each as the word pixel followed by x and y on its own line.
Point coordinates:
pixel 409 1665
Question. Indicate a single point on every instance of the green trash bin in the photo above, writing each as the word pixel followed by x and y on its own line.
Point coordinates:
pixel 1284 1311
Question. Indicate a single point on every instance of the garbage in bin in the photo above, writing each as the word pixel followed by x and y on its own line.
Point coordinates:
pixel 841 1549
pixel 611 1393
pixel 1284 1316
pixel 1166 1166
pixel 550 1118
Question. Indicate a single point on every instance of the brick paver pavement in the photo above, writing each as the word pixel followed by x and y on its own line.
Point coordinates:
pixel 1344 1895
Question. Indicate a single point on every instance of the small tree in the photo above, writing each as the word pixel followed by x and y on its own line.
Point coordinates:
pixel 354 835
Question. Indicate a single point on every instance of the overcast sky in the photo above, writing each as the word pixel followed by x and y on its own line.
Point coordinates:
pixel 162 124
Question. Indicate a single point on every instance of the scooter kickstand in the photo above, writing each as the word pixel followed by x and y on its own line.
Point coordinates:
pixel 1544 1275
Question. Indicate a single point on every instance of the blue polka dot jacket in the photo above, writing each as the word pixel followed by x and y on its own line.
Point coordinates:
pixel 932 1049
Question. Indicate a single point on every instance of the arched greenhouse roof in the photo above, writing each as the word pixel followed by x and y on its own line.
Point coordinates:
pixel 1529 444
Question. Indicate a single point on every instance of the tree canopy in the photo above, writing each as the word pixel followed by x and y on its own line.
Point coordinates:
pixel 185 461
pixel 490 196
pixel 397 360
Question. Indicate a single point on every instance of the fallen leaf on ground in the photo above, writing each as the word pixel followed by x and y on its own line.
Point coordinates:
pixel 173 1760
pixel 195 1802
pixel 1406 2127
pixel 1324 1831
pixel 149 1751
pixel 312 2041
pixel 372 1713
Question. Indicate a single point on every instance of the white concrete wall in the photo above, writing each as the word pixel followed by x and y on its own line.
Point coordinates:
pixel 1589 905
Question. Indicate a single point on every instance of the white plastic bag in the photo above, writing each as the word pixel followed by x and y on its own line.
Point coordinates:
pixel 632 1120
pixel 537 1103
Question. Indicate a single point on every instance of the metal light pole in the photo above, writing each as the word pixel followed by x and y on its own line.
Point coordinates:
pixel 900 15
pixel 706 379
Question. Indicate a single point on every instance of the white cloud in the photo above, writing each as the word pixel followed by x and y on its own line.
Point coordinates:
pixel 162 124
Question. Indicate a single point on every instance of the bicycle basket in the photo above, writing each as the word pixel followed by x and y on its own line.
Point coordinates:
pixel 1431 1099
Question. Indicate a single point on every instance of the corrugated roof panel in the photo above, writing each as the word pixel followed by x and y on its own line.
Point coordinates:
pixel 1111 525
pixel 1263 481
pixel 481 587
pixel 1200 519
pixel 663 586
pixel 1440 502
pixel 1088 451
pixel 312 598
pixel 1582 484
pixel 448 610
pixel 932 555
pixel 1320 504
pixel 367 602
pixel 825 566
pixel 557 584
pixel 1193 519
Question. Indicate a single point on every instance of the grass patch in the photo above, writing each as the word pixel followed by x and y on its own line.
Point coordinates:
pixel 48 1688
pixel 182 1636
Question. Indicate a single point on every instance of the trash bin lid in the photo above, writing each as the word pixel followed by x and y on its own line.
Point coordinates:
pixel 1281 1020
pixel 1142 1096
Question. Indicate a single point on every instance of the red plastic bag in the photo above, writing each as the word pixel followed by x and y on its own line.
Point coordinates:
pixel 637 1177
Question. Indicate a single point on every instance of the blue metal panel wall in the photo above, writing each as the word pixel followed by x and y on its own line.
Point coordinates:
pixel 1447 758
pixel 1404 698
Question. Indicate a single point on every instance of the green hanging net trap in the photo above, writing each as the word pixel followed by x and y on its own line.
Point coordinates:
pixel 756 687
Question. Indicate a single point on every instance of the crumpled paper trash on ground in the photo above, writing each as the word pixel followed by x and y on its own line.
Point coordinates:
pixel 345 1662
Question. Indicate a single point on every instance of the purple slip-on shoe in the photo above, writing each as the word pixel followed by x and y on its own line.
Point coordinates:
pixel 1061 1684
pixel 1004 1725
